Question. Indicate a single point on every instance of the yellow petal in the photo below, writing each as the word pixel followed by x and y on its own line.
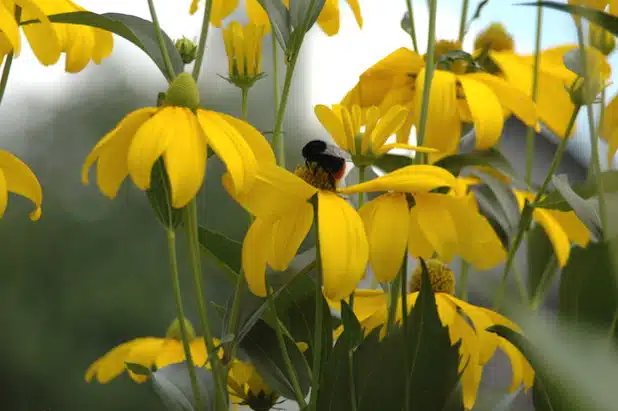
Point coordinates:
pixel 557 236
pixel 152 139
pixel 366 303
pixel 288 232
pixel 343 245
pixel 9 28
pixel 220 10
pixel 230 147
pixel 274 192
pixel 388 125
pixel 19 179
pixel 386 225
pixel 609 128
pixel 112 364
pixel 412 179
pixel 418 149
pixel 328 20
pixel 572 226
pixel 256 141
pixel 144 353
pixel 257 15
pixel 437 224
pixel 485 110
pixel 517 364
pixel 4 194
pixel 418 244
pixel 333 124
pixel 185 161
pixel 41 36
pixel 355 6
pixel 255 252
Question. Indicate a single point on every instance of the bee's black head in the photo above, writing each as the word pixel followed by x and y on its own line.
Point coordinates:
pixel 313 148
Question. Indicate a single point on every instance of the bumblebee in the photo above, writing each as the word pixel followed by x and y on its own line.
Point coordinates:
pixel 329 158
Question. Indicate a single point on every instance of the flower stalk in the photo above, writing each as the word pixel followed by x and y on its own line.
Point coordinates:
pixel 463 20
pixel 201 48
pixel 319 314
pixel 166 57
pixel 404 329
pixel 412 25
pixel 531 133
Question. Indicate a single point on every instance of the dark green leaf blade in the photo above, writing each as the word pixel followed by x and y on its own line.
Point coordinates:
pixel 605 20
pixel 224 251
pixel 280 20
pixel 587 189
pixel 506 200
pixel 173 385
pixel 540 258
pixel 159 195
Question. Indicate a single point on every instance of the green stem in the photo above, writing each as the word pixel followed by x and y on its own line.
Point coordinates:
pixel 171 246
pixel 463 280
pixel 319 313
pixel 284 351
pixel 361 179
pixel 278 142
pixel 531 134
pixel 404 321
pixel 201 48
pixel 190 214
pixel 524 227
pixel 412 25
pixel 543 286
pixel 521 285
pixel 463 20
pixel 244 106
pixel 166 57
pixel 275 74
pixel 393 291
pixel 429 69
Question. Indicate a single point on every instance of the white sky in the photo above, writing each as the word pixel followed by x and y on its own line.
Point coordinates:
pixel 335 62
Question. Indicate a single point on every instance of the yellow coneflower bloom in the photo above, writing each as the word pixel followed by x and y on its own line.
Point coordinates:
pixel 179 133
pixel 243 45
pixel 42 37
pixel 363 132
pixel 466 323
pixel 148 352
pixel 609 129
pixel 562 227
pixel 16 177
pixel 407 218
pixel 248 388
pixel 220 10
pixel 456 96
pixel 553 102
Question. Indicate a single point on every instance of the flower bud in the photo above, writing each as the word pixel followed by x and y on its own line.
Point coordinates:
pixel 243 46
pixel 183 92
pixel 187 49
pixel 601 39
pixel 173 331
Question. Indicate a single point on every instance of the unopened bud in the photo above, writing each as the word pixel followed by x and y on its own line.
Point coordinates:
pixel 183 92
pixel 174 331
pixel 187 50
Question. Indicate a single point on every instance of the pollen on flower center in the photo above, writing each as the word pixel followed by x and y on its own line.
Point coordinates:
pixel 316 176
pixel 443 47
pixel 495 37
pixel 442 278
pixel 173 331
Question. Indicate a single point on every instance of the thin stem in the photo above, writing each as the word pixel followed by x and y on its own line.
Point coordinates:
pixel 275 74
pixel 463 20
pixel 412 25
pixel 319 313
pixel 543 286
pixel 463 280
pixel 404 321
pixel 531 134
pixel 361 179
pixel 392 304
pixel 190 214
pixel 171 246
pixel 9 61
pixel 524 227
pixel 284 351
pixel 166 57
pixel 278 142
pixel 202 44
pixel 429 69
pixel 521 285
pixel 244 106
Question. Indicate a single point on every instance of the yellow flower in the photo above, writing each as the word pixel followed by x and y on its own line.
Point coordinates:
pixel 180 135
pixel 561 227
pixel 455 97
pixel 248 388
pixel 220 10
pixel 243 45
pixel 16 177
pixel 363 131
pixel 609 128
pixel 280 202
pixel 42 37
pixel 553 102
pixel 466 323
pixel 424 222
pixel 148 352
pixel 80 43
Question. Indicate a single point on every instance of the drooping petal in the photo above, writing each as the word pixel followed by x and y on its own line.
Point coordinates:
pixel 144 353
pixel 333 124
pixel 418 244
pixel 19 179
pixel 152 139
pixel 328 20
pixel 411 179
pixel 288 232
pixel 486 112
pixel 609 128
pixel 4 194
pixel 257 15
pixel 388 125
pixel 220 10
pixel 572 226
pixel 557 236
pixel 274 192
pixel 437 224
pixel 355 6
pixel 41 36
pixel 386 225
pixel 9 30
pixel 517 364
pixel 185 160
pixel 256 141
pixel 343 245
pixel 255 252
pixel 112 364
pixel 366 303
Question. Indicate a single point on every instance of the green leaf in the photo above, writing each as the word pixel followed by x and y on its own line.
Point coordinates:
pixel 159 197
pixel 262 347
pixel 508 401
pixel 173 385
pixel 224 251
pixel 506 200
pixel 541 259
pixel 490 208
pixel 299 12
pixel 489 158
pixel 587 189
pixel 605 20
pixel 352 332
pixel 134 29
pixel 138 369
pixel 280 20
pixel 392 162
pixel 406 24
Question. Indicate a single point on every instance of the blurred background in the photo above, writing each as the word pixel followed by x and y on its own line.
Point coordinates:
pixel 92 273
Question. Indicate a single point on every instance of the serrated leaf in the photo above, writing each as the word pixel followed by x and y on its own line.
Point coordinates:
pixel 352 332
pixel 173 385
pixel 262 347
pixel 224 251
pixel 159 195
pixel 540 259
pixel 280 20
pixel 134 29
pixel 605 20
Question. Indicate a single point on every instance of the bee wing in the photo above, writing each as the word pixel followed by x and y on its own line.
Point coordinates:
pixel 335 151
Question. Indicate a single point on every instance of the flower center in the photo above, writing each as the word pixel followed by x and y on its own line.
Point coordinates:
pixel 261 401
pixel 495 37
pixel 173 331
pixel 315 175
pixel 442 278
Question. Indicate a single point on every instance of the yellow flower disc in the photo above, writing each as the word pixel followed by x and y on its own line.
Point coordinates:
pixel 442 278
pixel 495 37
